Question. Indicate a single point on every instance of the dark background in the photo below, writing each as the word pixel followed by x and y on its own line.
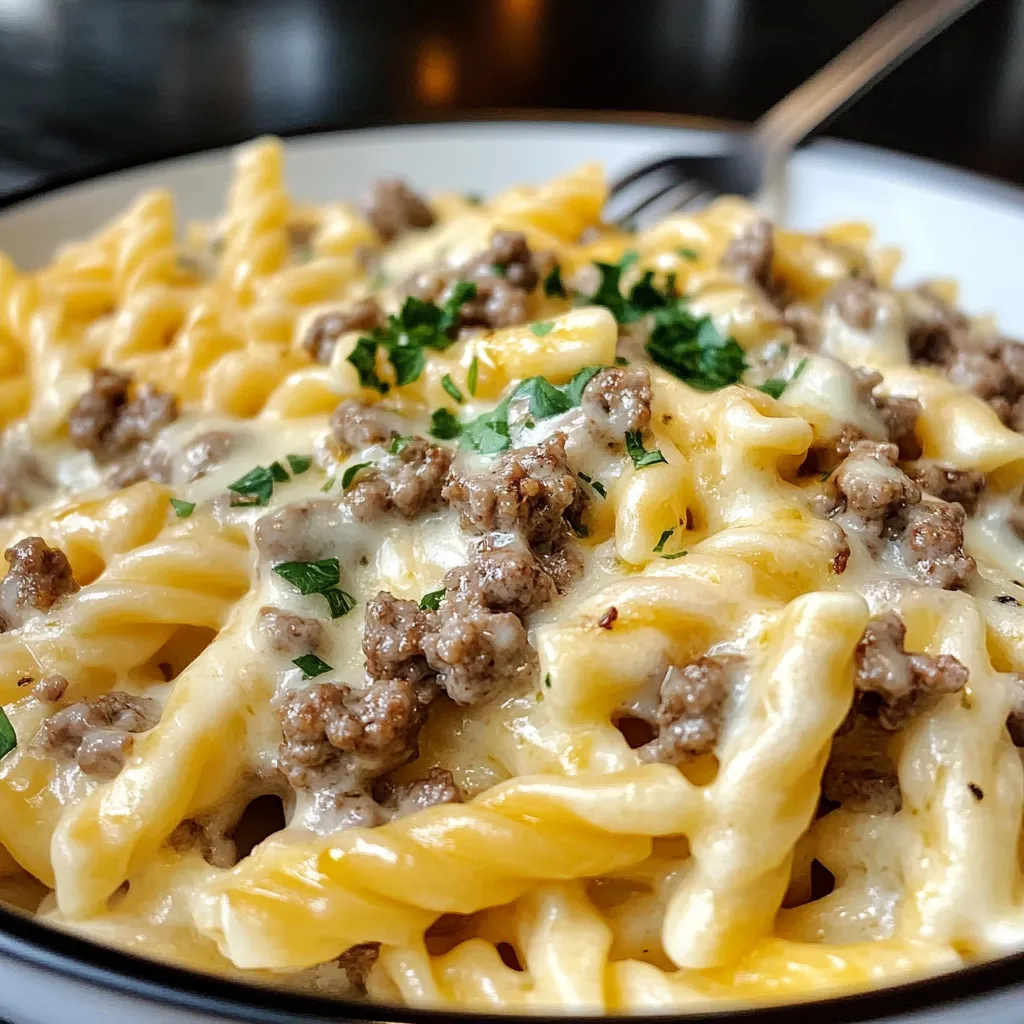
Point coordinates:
pixel 88 83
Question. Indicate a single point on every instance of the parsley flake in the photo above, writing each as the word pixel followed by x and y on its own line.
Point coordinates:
pixel 183 509
pixel 311 666
pixel 299 463
pixel 678 554
pixel 255 488
pixel 499 269
pixel 553 287
pixel 547 680
pixel 278 472
pixel 693 350
pixel 310 577
pixel 450 386
pixel 8 738
pixel 488 433
pixel 471 376
pixel 621 361
pixel 399 443
pixel 575 388
pixel 474 198
pixel 348 477
pixel 542 329
pixel 689 254
pixel 432 601
pixel 660 546
pixel 443 425
pixel 599 487
pixel 364 358
pixel 773 386
pixel 641 456
pixel 545 399
pixel 340 602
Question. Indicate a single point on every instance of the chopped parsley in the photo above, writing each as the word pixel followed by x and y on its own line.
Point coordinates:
pixel 255 488
pixel 542 328
pixel 689 254
pixel 299 463
pixel 310 577
pixel 474 198
pixel 443 425
pixel 678 554
pixel 399 443
pixel 776 385
pixel 547 680
pixel 348 477
pixel 471 376
pixel 418 326
pixel 432 601
pixel 320 577
pixel 8 738
pixel 692 348
pixel 279 473
pixel 340 602
pixel 621 361
pixel 595 484
pixel 311 666
pixel 183 509
pixel 639 454
pixel 452 388
pixel 488 433
pixel 660 546
pixel 574 389
pixel 545 399
pixel 499 269
pixel 553 287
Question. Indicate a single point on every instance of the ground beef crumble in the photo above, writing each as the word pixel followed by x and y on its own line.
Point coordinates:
pixel 963 486
pixel 895 686
pixel 393 638
pixel 355 425
pixel 97 732
pixel 749 255
pixel 879 502
pixel 39 575
pixel 408 482
pixel 325 330
pixel 617 400
pixel 393 208
pixel 691 711
pixel 291 634
pixel 105 422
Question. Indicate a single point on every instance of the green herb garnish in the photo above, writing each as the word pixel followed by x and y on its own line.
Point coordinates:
pixel 660 546
pixel 499 269
pixel 473 198
pixel 547 680
pixel 256 486
pixel 545 399
pixel 399 443
pixel 689 254
pixel 351 473
pixel 488 433
pixel 639 454
pixel 599 487
pixel 543 328
pixel 418 326
pixel 310 577
pixel 432 601
pixel 450 386
pixel 774 386
pixel 678 554
pixel 575 388
pixel 8 738
pixel 553 287
pixel 183 509
pixel 279 473
pixel 340 602
pixel 471 376
pixel 299 463
pixel 311 666
pixel 443 425
pixel 693 350
pixel 621 361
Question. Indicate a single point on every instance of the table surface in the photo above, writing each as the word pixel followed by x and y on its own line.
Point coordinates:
pixel 111 82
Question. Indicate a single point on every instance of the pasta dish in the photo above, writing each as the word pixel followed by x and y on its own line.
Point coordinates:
pixel 460 602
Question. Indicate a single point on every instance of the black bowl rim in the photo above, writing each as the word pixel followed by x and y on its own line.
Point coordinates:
pixel 75 958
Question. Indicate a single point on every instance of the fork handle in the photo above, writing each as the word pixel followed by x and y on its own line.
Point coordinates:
pixel 885 45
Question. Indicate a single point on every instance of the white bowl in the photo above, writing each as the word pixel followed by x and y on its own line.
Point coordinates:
pixel 947 222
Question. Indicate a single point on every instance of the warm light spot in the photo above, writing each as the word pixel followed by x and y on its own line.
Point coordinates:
pixel 435 72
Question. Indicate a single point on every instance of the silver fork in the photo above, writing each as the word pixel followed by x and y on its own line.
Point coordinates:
pixel 750 157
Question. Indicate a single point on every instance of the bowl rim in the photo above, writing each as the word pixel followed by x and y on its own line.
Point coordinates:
pixel 79 959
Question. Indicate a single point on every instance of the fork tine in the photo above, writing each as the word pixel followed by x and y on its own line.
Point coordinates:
pixel 641 172
pixel 678 193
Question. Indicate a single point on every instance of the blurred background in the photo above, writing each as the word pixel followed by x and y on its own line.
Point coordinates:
pixel 91 83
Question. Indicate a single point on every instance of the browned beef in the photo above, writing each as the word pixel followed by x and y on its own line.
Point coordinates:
pixel 393 638
pixel 39 575
pixel 393 208
pixel 325 330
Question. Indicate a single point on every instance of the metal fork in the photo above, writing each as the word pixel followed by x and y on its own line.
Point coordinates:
pixel 752 156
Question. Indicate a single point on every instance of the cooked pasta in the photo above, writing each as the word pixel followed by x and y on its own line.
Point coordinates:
pixel 466 603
